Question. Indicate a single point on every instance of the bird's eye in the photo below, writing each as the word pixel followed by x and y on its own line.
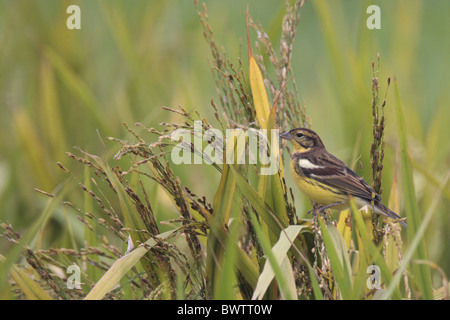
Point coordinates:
pixel 299 135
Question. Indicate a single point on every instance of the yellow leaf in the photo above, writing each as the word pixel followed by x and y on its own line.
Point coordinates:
pixel 345 228
pixel 121 266
pixel 31 289
pixel 260 100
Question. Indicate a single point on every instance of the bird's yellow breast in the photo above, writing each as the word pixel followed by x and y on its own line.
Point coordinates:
pixel 315 190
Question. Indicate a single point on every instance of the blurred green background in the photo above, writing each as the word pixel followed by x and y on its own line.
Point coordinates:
pixel 61 88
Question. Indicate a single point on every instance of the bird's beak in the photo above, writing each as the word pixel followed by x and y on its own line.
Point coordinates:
pixel 286 135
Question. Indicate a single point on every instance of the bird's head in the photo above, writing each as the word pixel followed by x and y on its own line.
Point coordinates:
pixel 303 139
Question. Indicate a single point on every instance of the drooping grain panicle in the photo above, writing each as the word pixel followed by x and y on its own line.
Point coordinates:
pixel 377 146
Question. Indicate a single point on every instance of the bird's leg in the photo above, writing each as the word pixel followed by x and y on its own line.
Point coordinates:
pixel 316 209
pixel 322 209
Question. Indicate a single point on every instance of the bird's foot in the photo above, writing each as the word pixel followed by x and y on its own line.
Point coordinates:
pixel 322 209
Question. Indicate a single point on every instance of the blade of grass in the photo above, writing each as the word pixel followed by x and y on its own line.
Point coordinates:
pixel 418 238
pixel 77 86
pixel 344 227
pixel 133 221
pixel 31 289
pixel 391 249
pixel 315 284
pixel 121 266
pixel 264 211
pixel 372 253
pixel 51 118
pixel 225 282
pixel 269 187
pixel 339 259
pixel 265 244
pixel 421 272
pixel 27 132
pixel 131 217
pixel 221 255
pixel 280 250
pixel 224 202
pixel 276 187
pixel 277 226
pixel 15 252
pixel 259 94
pixel 90 236
pixel 244 263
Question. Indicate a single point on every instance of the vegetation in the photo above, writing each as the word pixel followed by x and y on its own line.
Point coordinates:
pixel 139 226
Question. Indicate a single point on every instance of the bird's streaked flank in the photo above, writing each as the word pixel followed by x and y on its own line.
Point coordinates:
pixel 326 180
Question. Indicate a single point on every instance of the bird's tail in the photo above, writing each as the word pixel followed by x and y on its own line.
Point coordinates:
pixel 382 209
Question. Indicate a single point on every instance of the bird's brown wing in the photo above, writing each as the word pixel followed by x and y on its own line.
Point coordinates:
pixel 333 172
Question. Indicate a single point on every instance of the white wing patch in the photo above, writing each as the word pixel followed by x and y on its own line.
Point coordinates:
pixel 306 164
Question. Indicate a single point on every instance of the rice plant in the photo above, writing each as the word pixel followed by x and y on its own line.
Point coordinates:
pixel 163 209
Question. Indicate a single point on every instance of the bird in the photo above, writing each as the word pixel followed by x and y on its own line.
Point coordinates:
pixel 326 180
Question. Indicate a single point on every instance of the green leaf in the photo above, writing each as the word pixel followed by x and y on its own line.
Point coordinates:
pixel 274 224
pixel 315 284
pixel 31 289
pixel 258 203
pixel 220 241
pixel 77 85
pixel 265 244
pixel 344 228
pixel 418 238
pixel 259 94
pixel 225 281
pixel 221 255
pixel 121 266
pixel 421 273
pixel 372 253
pixel 90 236
pixel 15 252
pixel 338 255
